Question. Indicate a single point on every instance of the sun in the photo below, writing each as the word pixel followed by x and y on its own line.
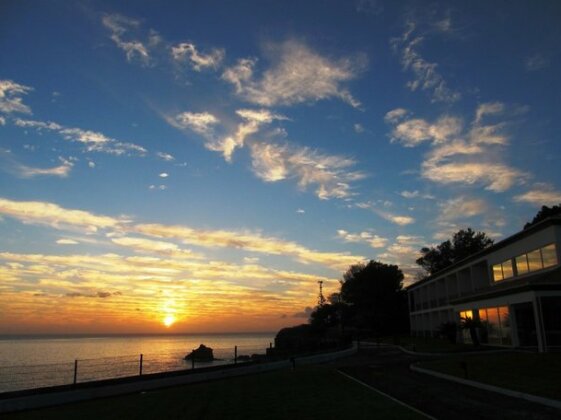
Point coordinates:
pixel 169 320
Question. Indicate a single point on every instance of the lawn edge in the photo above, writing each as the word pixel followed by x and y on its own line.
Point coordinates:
pixel 487 387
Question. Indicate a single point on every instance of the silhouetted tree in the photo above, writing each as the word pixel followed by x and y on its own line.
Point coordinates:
pixel 463 244
pixel 375 296
pixel 544 213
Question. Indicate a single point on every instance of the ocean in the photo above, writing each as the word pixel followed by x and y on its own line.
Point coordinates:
pixel 37 361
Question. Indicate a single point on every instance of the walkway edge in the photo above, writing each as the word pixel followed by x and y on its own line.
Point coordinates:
pixel 416 410
pixel 508 392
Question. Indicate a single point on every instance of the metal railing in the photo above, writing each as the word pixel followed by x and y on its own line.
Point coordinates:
pixel 23 377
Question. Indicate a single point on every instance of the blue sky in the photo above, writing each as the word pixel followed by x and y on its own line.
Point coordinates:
pixel 176 159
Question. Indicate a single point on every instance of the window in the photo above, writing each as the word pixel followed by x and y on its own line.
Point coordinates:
pixel 495 326
pixel 503 271
pixel 535 260
pixel 522 264
pixel 549 255
pixel 497 272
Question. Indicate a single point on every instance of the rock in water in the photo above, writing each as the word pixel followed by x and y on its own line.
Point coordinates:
pixel 202 354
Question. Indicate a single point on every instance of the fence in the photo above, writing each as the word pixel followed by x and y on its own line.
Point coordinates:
pixel 15 378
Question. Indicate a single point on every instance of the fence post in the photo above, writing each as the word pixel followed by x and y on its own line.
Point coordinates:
pixel 235 354
pixel 193 360
pixel 140 371
pixel 75 371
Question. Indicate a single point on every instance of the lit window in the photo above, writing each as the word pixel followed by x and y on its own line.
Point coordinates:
pixel 466 314
pixel 497 272
pixel 522 264
pixel 507 269
pixel 549 254
pixel 535 260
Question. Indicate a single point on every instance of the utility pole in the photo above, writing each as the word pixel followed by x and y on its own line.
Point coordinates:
pixel 321 299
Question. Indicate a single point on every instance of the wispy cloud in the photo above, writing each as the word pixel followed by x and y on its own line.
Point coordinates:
pixel 197 60
pixel 18 169
pixel 248 241
pixel 426 74
pixel 397 219
pixel 66 241
pixel 331 175
pixel 45 213
pixel 92 140
pixel 536 62
pixel 539 195
pixel 462 207
pixel 11 100
pixel 165 156
pixel 464 155
pixel 119 26
pixel 373 240
pixel 297 74
pixel 144 245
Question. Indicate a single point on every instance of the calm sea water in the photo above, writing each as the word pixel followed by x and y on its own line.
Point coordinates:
pixel 31 362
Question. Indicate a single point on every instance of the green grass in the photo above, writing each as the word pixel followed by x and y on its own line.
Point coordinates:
pixel 308 392
pixel 532 373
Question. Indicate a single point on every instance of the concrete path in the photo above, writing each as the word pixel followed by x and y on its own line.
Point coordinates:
pixel 388 370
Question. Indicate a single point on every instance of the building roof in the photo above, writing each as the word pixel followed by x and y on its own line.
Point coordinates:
pixel 550 221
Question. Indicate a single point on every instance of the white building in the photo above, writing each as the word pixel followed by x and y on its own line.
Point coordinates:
pixel 513 287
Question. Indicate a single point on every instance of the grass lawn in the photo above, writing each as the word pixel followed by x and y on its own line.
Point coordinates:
pixel 312 392
pixel 429 345
pixel 533 373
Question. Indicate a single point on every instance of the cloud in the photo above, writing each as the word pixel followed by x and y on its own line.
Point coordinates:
pixel 468 155
pixel 300 211
pixel 201 123
pixel 119 26
pixel 66 241
pixel 165 156
pixel 415 131
pixel 198 61
pixel 163 175
pixel 92 140
pixel 11 100
pixel 297 74
pixel 540 195
pixel 416 194
pixel 358 128
pixel 44 213
pixel 375 241
pixel 160 187
pixel 205 123
pixel 158 247
pixel 536 62
pixel 426 75
pixel 2 121
pixel 395 115
pixel 462 207
pixel 248 241
pixel 10 165
pixel 330 174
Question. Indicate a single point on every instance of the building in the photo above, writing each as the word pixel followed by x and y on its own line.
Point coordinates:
pixel 512 287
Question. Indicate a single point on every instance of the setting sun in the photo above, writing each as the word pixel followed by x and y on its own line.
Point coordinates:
pixel 169 320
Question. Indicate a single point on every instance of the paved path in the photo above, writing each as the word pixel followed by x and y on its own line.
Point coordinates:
pixel 388 370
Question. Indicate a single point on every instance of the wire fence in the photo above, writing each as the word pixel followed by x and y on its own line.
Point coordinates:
pixel 23 377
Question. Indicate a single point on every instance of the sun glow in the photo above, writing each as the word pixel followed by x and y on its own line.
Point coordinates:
pixel 169 320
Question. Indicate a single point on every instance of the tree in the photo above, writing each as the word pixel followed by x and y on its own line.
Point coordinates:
pixel 463 244
pixel 375 295
pixel 543 214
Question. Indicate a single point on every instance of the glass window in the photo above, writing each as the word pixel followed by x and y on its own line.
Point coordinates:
pixel 549 254
pixel 493 326
pixel 497 272
pixel 504 318
pixel 466 314
pixel 535 260
pixel 507 269
pixel 522 264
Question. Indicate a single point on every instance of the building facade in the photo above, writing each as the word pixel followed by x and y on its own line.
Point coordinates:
pixel 513 288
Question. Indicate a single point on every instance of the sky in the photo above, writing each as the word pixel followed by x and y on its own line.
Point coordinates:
pixel 199 166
